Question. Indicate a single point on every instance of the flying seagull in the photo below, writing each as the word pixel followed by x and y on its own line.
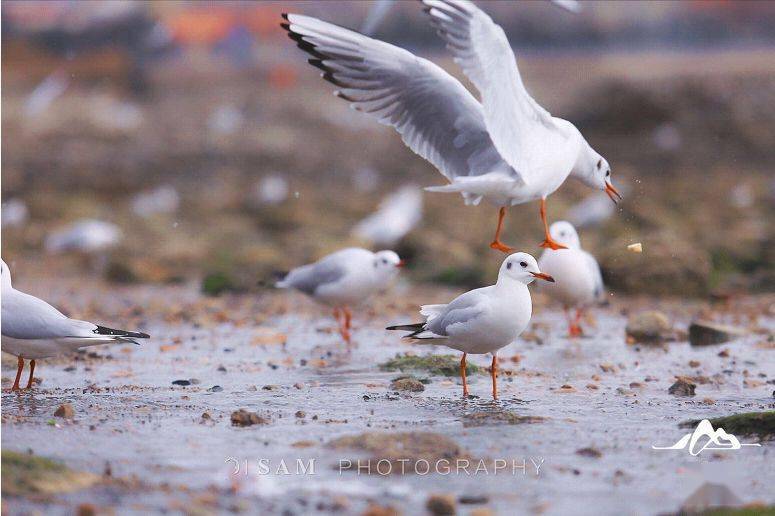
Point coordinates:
pixel 506 149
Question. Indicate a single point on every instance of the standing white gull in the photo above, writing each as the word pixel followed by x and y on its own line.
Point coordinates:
pixel 508 149
pixel 579 281
pixel 343 279
pixel 485 319
pixel 33 329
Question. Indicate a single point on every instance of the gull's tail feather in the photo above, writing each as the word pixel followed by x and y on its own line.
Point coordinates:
pixel 407 327
pixel 123 334
pixel 278 280
pixel 418 331
pixel 449 188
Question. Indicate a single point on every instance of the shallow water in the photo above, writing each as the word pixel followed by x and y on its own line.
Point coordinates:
pixel 129 415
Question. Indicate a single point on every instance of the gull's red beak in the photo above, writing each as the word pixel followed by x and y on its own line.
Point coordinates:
pixel 613 193
pixel 401 263
pixel 543 276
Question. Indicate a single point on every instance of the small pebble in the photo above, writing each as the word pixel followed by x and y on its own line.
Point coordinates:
pixel 65 410
pixel 682 387
pixel 441 505
pixel 589 452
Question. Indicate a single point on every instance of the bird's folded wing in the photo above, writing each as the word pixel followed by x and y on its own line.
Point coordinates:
pixel 28 317
pixel 309 278
pixel 436 116
pixel 516 123
pixel 459 315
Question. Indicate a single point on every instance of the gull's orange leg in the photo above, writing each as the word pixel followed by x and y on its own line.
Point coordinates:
pixel 347 323
pixel 348 317
pixel 496 243
pixel 32 371
pixel 339 321
pixel 574 330
pixel 19 367
pixel 548 240
pixel 494 374
pixel 463 375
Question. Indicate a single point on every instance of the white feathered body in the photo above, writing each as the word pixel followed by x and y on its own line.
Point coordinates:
pixel 578 282
pixel 480 321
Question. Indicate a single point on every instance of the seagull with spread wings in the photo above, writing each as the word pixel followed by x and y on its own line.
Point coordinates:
pixel 506 149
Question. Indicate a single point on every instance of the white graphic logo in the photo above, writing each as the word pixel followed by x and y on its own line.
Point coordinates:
pixel 717 440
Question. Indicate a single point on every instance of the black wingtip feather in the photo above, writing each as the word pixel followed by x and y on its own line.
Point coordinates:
pixel 407 327
pixel 284 15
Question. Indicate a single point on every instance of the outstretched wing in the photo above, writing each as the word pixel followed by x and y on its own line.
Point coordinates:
pixel 518 125
pixel 436 116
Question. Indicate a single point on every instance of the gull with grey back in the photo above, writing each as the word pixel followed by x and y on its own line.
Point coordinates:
pixel 33 329
pixel 482 320
pixel 344 279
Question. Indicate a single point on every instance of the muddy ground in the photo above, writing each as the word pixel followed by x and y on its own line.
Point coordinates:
pixel 587 411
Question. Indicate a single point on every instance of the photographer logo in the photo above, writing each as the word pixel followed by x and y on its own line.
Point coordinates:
pixel 696 443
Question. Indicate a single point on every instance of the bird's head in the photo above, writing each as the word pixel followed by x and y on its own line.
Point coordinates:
pixel 593 170
pixel 523 268
pixel 387 264
pixel 564 233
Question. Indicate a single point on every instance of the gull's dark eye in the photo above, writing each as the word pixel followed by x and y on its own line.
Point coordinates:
pixel 599 163
pixel 608 174
pixel 508 265
pixel 523 264
pixel 562 233
pixel 384 261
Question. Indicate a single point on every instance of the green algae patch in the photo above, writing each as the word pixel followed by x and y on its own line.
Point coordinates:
pixel 500 417
pixel 435 365
pixel 25 475
pixel 760 424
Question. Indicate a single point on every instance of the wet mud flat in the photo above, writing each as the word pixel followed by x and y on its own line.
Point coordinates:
pixel 153 427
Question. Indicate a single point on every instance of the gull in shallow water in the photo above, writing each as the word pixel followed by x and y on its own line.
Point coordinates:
pixel 485 319
pixel 343 279
pixel 33 329
pixel 579 283
pixel 506 149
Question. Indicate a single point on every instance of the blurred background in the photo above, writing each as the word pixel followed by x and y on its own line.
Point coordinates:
pixel 190 142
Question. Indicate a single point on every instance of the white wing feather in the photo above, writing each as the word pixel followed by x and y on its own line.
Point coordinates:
pixel 519 127
pixel 437 117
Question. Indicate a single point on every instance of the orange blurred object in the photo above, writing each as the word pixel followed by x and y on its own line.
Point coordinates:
pixel 201 26
pixel 282 76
